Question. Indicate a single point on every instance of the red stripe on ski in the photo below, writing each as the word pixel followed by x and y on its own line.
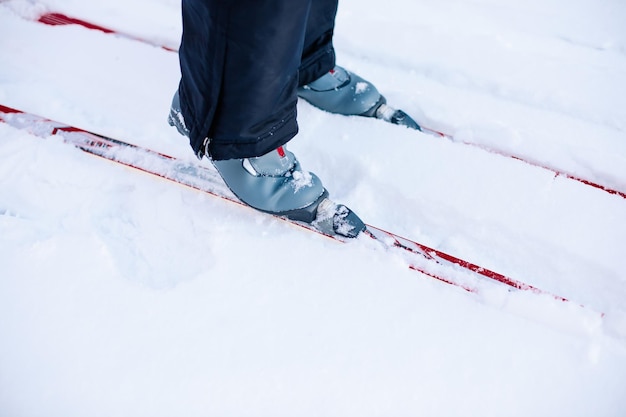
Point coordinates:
pixel 447 281
pixel 59 19
pixel 8 110
pixel 437 255
pixel 557 172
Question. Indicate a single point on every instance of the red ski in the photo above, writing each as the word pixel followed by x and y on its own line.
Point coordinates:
pixel 419 257
pixel 61 19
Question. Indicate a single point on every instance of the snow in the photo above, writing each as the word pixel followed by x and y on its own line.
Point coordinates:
pixel 125 295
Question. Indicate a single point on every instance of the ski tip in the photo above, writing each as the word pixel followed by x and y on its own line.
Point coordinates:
pixel 337 220
pixel 396 117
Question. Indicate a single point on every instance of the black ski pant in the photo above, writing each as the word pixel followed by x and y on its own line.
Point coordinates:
pixel 241 63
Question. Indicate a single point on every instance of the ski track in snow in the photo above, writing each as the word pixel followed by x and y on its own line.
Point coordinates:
pixel 125 295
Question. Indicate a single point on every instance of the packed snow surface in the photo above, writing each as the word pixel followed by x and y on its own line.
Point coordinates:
pixel 126 295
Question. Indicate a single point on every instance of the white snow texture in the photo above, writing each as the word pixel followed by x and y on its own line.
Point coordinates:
pixel 126 295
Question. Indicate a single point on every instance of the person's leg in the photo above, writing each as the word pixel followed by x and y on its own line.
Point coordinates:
pixel 318 54
pixel 322 83
pixel 237 103
pixel 331 87
pixel 239 62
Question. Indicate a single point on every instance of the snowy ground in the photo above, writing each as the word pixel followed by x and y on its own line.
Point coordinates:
pixel 122 295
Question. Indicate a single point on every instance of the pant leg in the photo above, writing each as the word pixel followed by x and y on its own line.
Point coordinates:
pixel 239 63
pixel 318 56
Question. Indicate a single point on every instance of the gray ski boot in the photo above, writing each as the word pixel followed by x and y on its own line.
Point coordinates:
pixel 275 183
pixel 175 118
pixel 342 92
